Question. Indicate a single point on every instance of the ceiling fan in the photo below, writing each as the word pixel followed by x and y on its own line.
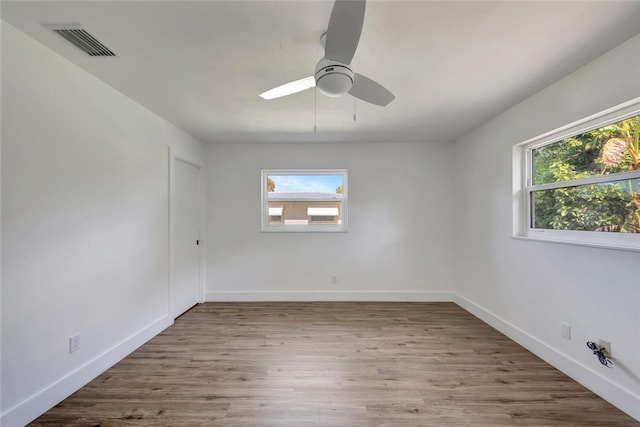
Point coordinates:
pixel 333 76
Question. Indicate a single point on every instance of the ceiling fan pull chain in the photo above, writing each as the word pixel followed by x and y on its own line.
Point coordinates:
pixel 315 109
pixel 354 108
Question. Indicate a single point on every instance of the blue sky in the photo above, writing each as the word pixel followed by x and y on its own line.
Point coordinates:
pixel 306 183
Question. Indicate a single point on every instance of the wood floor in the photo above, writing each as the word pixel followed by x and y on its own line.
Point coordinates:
pixel 332 364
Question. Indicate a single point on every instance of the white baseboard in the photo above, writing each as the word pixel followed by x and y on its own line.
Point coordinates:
pixel 618 396
pixel 40 402
pixel 427 296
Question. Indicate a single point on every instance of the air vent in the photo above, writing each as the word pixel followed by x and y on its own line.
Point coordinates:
pixel 77 35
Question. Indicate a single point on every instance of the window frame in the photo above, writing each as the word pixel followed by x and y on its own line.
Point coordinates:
pixel 524 188
pixel 310 227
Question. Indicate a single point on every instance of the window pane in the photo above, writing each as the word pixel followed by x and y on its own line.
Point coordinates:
pixel 303 199
pixel 304 183
pixel 602 151
pixel 612 207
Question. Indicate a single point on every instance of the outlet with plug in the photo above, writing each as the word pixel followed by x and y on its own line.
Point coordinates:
pixel 603 351
pixel 606 345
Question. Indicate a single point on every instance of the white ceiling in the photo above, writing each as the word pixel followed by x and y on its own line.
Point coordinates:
pixel 452 65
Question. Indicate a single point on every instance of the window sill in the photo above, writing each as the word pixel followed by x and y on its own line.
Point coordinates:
pixel 303 229
pixel 591 244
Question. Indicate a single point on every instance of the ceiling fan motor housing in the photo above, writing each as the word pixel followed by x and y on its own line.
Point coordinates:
pixel 333 78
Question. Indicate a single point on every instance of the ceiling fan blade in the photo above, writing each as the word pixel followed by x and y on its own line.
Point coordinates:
pixel 370 91
pixel 289 88
pixel 343 33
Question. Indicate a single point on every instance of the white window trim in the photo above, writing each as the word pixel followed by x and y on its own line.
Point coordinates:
pixel 342 227
pixel 523 185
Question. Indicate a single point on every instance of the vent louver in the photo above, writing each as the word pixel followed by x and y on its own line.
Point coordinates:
pixel 78 36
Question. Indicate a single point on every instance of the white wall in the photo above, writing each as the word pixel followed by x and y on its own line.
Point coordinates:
pixel 398 244
pixel 526 288
pixel 85 193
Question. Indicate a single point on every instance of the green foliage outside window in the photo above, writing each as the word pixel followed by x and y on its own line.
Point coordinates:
pixel 611 206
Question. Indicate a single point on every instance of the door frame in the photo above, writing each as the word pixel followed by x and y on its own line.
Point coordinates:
pixel 173 158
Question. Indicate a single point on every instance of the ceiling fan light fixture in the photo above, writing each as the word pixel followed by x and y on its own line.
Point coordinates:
pixel 333 78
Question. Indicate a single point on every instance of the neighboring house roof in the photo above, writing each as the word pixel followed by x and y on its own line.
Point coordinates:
pixel 304 197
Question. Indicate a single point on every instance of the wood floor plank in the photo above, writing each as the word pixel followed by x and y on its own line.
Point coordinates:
pixel 332 364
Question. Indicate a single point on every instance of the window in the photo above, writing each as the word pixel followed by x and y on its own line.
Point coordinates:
pixel 581 184
pixel 304 200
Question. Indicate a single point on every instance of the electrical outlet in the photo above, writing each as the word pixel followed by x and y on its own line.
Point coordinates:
pixel 74 343
pixel 606 345
pixel 565 331
pixel 334 280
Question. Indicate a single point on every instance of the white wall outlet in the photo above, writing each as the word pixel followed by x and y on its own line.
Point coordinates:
pixel 606 345
pixel 565 331
pixel 74 343
pixel 334 279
